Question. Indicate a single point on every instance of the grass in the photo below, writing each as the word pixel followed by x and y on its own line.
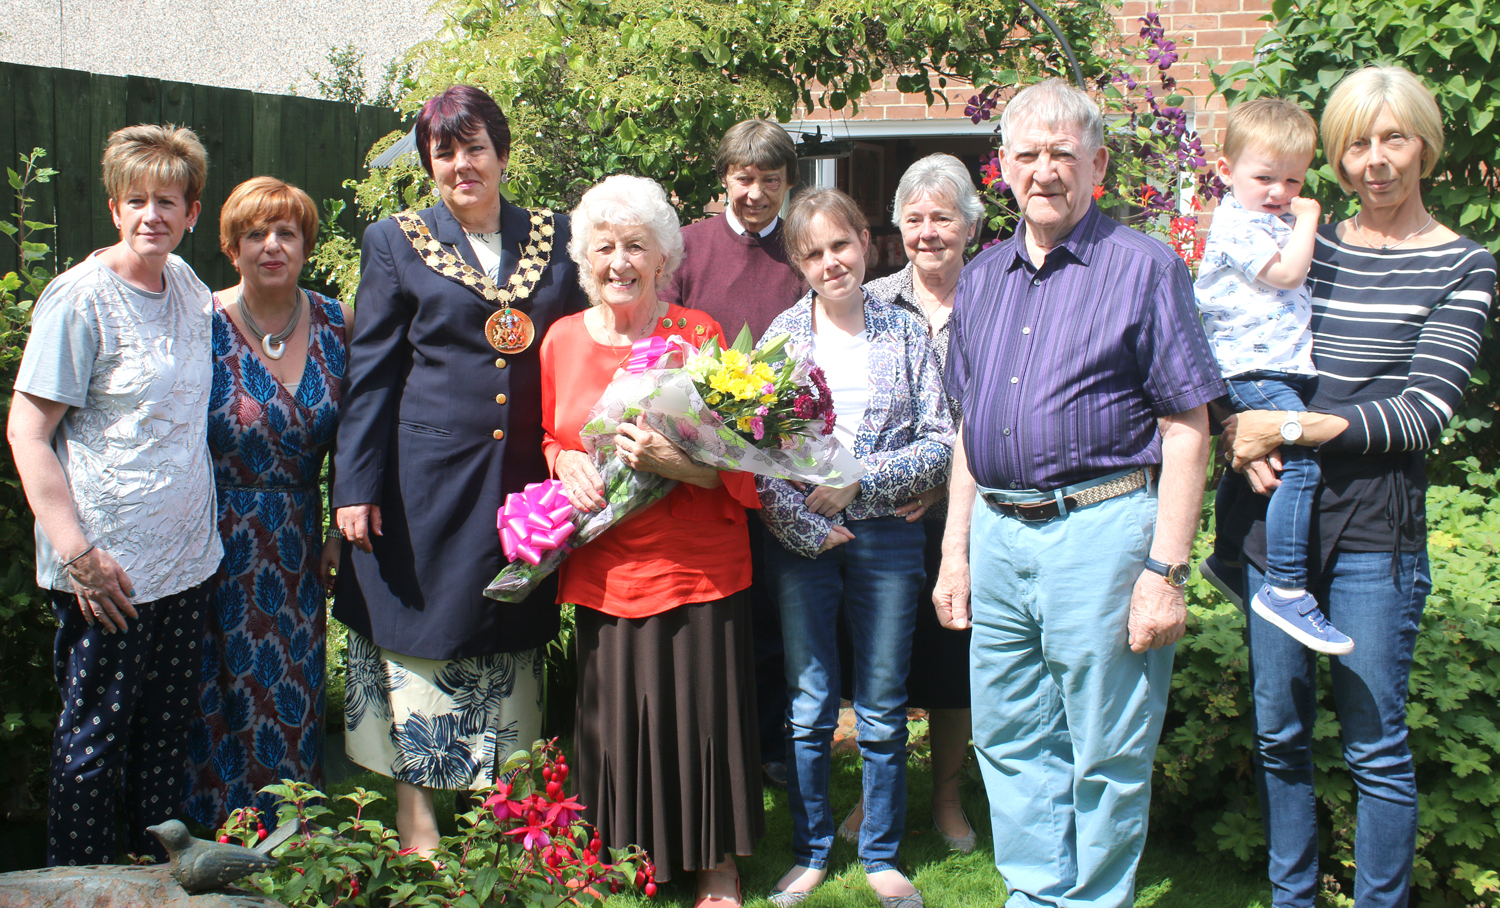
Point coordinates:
pixel 1173 874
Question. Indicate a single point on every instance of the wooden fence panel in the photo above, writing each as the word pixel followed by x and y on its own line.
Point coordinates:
pixel 313 143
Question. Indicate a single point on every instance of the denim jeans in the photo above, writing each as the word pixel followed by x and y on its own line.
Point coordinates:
pixel 1381 613
pixel 878 575
pixel 1066 717
pixel 1289 516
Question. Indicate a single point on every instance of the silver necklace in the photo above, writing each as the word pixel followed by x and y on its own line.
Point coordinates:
pixel 1359 231
pixel 273 345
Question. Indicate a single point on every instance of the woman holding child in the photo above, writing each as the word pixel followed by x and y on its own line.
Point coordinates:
pixel 1399 306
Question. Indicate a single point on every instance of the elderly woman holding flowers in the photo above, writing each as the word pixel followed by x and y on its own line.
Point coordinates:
pixel 667 750
pixel 849 544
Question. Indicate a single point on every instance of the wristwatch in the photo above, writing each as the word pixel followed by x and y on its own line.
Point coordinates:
pixel 1177 573
pixel 1291 429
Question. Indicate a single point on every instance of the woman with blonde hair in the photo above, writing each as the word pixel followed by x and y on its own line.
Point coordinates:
pixel 279 357
pixel 1399 307
pixel 109 430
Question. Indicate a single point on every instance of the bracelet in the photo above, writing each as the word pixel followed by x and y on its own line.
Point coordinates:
pixel 68 564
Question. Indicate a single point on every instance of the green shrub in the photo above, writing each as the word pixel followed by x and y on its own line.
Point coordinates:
pixel 1205 778
pixel 28 700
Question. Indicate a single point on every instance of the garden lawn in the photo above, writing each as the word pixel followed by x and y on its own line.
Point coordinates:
pixel 1172 875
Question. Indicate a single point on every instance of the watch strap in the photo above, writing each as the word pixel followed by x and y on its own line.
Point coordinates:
pixel 1166 570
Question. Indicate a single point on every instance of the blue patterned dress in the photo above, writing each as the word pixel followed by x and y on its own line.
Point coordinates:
pixel 263 660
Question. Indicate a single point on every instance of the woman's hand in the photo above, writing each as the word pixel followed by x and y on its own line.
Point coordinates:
pixel 641 447
pixel 581 482
pixel 828 501
pixel 328 562
pixel 357 522
pixel 837 535
pixel 1264 473
pixel 914 509
pixel 1256 433
pixel 103 590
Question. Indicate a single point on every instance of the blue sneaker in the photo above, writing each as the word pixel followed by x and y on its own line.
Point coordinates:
pixel 1228 580
pixel 1301 618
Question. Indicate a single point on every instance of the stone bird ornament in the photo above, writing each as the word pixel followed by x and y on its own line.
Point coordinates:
pixel 200 866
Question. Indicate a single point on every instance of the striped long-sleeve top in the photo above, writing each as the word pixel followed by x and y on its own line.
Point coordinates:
pixel 1396 334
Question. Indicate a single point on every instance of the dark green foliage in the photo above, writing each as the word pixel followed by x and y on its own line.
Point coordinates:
pixel 28 700
pixel 1205 780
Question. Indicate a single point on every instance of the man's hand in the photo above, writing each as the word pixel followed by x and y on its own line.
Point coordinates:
pixel 1158 616
pixel 951 594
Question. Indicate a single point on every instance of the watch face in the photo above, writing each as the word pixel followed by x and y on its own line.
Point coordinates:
pixel 1178 574
pixel 1291 430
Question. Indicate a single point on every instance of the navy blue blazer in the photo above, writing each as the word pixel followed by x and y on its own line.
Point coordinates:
pixel 436 429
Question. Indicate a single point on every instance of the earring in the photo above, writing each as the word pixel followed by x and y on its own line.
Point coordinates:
pixel 190 230
pixel 658 272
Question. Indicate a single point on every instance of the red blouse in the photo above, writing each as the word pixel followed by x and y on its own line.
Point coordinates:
pixel 692 546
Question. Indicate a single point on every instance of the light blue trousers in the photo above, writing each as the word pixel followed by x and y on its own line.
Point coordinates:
pixel 1066 717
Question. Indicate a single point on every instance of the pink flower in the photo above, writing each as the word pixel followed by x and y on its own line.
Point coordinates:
pixel 501 805
pixel 564 812
pixel 758 427
pixel 531 836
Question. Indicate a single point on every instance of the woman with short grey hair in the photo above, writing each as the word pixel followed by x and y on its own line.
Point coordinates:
pixel 938 210
pixel 667 752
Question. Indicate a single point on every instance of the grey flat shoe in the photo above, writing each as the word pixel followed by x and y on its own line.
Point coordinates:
pixel 965 843
pixel 786 898
pixel 914 900
pixel 849 835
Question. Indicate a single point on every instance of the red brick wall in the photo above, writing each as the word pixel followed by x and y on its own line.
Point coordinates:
pixel 1206 31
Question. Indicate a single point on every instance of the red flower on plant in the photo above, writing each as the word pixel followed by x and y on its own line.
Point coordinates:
pixel 564 812
pixel 501 805
pixel 532 835
pixel 989 173
pixel 1098 193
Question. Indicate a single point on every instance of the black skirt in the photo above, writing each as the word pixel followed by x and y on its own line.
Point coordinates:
pixel 668 753
pixel 939 656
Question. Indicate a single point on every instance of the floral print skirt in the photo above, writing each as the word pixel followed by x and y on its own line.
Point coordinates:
pixel 439 723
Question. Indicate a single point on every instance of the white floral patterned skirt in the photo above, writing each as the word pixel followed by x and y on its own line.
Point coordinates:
pixel 439 723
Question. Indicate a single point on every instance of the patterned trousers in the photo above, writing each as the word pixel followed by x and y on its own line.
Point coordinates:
pixel 127 701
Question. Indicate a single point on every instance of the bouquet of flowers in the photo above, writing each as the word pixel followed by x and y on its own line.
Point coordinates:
pixel 766 411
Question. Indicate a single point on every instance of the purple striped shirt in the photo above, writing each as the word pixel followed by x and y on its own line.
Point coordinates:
pixel 1063 372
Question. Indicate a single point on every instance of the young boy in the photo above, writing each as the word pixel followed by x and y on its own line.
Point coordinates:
pixel 1257 313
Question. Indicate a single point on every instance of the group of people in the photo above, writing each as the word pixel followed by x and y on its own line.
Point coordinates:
pixel 1034 426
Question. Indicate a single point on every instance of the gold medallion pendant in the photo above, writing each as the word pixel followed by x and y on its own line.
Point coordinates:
pixel 508 330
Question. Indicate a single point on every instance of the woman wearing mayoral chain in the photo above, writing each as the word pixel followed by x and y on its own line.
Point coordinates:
pixel 441 420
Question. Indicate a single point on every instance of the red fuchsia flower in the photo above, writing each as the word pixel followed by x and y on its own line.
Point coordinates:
pixel 564 812
pixel 501 805
pixel 531 836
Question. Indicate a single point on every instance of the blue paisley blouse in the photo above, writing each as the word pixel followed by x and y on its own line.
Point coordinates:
pixel 905 440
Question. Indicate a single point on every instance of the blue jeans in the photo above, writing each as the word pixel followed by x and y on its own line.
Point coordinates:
pixel 878 575
pixel 1381 613
pixel 1289 516
pixel 1066 717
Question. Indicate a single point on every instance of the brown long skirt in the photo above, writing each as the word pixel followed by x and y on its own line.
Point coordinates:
pixel 667 746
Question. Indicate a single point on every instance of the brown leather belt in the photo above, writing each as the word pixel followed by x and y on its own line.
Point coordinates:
pixel 1048 508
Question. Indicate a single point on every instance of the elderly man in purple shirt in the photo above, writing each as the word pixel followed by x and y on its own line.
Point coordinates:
pixel 1076 490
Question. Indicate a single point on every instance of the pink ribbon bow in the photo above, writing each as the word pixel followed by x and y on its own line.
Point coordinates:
pixel 534 521
pixel 652 353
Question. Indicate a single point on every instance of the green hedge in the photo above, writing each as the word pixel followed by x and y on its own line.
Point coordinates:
pixel 1204 774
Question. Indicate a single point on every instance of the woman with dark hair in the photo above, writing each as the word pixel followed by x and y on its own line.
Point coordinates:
pixel 279 357
pixel 1399 308
pixel 441 420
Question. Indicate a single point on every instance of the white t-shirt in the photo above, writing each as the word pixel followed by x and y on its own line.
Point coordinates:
pixel 845 362
pixel 135 369
pixel 1252 327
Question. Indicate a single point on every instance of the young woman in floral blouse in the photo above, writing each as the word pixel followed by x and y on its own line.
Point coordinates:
pixel 849 545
